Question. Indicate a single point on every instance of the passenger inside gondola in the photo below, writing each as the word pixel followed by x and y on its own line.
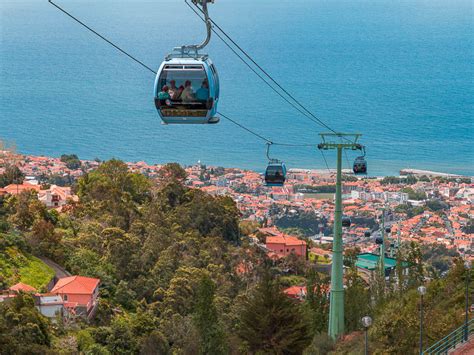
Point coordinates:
pixel 202 94
pixel 173 90
pixel 164 96
pixel 184 100
pixel 187 95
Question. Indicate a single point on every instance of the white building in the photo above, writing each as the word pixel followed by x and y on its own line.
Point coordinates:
pixel 50 305
pixel 55 196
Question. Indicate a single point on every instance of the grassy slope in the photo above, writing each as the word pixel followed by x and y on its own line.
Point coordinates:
pixel 16 266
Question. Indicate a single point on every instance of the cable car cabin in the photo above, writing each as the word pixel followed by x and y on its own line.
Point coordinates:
pixel 388 230
pixel 379 240
pixel 187 91
pixel 275 175
pixel 346 222
pixel 367 234
pixel 360 165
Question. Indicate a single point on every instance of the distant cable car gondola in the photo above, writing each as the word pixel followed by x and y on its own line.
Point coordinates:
pixel 367 234
pixel 346 222
pixel 388 230
pixel 187 84
pixel 275 174
pixel 379 240
pixel 360 164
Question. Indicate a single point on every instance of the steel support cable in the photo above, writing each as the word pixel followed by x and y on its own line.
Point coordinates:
pixel 154 72
pixel 347 159
pixel 245 128
pixel 325 161
pixel 313 117
pixel 102 37
pixel 266 140
pixel 247 64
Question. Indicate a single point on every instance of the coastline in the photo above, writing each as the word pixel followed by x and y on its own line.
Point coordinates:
pixel 320 171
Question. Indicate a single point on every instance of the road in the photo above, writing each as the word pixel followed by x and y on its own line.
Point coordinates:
pixel 59 271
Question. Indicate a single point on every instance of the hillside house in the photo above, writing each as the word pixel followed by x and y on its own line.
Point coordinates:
pixel 283 245
pixel 50 305
pixel 16 189
pixel 80 294
pixel 20 286
pixel 55 196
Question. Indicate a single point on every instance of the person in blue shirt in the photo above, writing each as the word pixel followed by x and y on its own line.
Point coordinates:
pixel 202 94
pixel 164 96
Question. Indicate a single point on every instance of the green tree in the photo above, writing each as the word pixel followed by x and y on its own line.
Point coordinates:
pixel 317 301
pixel 414 257
pixel 45 240
pixel 270 322
pixel 11 175
pixel 71 160
pixel 212 336
pixel 24 209
pixel 23 329
pixel 414 195
pixel 155 343
pixel 172 172
pixel 356 295
pixel 113 193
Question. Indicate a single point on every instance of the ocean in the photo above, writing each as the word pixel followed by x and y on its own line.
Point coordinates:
pixel 399 72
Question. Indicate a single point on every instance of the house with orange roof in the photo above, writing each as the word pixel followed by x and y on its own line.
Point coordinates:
pixel 15 189
pixel 296 292
pixel 283 245
pixel 22 287
pixel 79 293
pixel 56 196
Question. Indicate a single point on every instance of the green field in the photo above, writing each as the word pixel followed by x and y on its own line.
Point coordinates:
pixel 16 266
pixel 319 259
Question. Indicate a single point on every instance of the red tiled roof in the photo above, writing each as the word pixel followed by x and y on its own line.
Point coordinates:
pixel 22 287
pixel 295 291
pixel 285 239
pixel 76 285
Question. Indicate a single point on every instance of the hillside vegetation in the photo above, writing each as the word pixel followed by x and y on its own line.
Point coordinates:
pixel 18 266
pixel 179 276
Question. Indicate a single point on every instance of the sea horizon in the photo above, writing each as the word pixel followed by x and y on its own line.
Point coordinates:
pixel 400 73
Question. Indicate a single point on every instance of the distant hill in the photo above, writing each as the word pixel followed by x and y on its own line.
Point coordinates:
pixel 17 266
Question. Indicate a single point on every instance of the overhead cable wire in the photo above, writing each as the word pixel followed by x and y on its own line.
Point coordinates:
pixel 313 117
pixel 246 63
pixel 102 37
pixel 245 128
pixel 154 72
pixel 266 140
pixel 347 159
pixel 325 161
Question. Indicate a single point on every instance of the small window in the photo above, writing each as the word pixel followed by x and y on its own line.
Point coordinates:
pixel 65 297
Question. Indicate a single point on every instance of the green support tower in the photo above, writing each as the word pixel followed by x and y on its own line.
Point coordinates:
pixel 382 247
pixel 336 302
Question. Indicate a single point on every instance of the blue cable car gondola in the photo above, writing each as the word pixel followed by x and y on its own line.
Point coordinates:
pixel 346 222
pixel 360 164
pixel 176 97
pixel 275 174
pixel 187 85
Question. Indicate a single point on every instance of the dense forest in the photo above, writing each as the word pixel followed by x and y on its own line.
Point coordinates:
pixel 179 276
